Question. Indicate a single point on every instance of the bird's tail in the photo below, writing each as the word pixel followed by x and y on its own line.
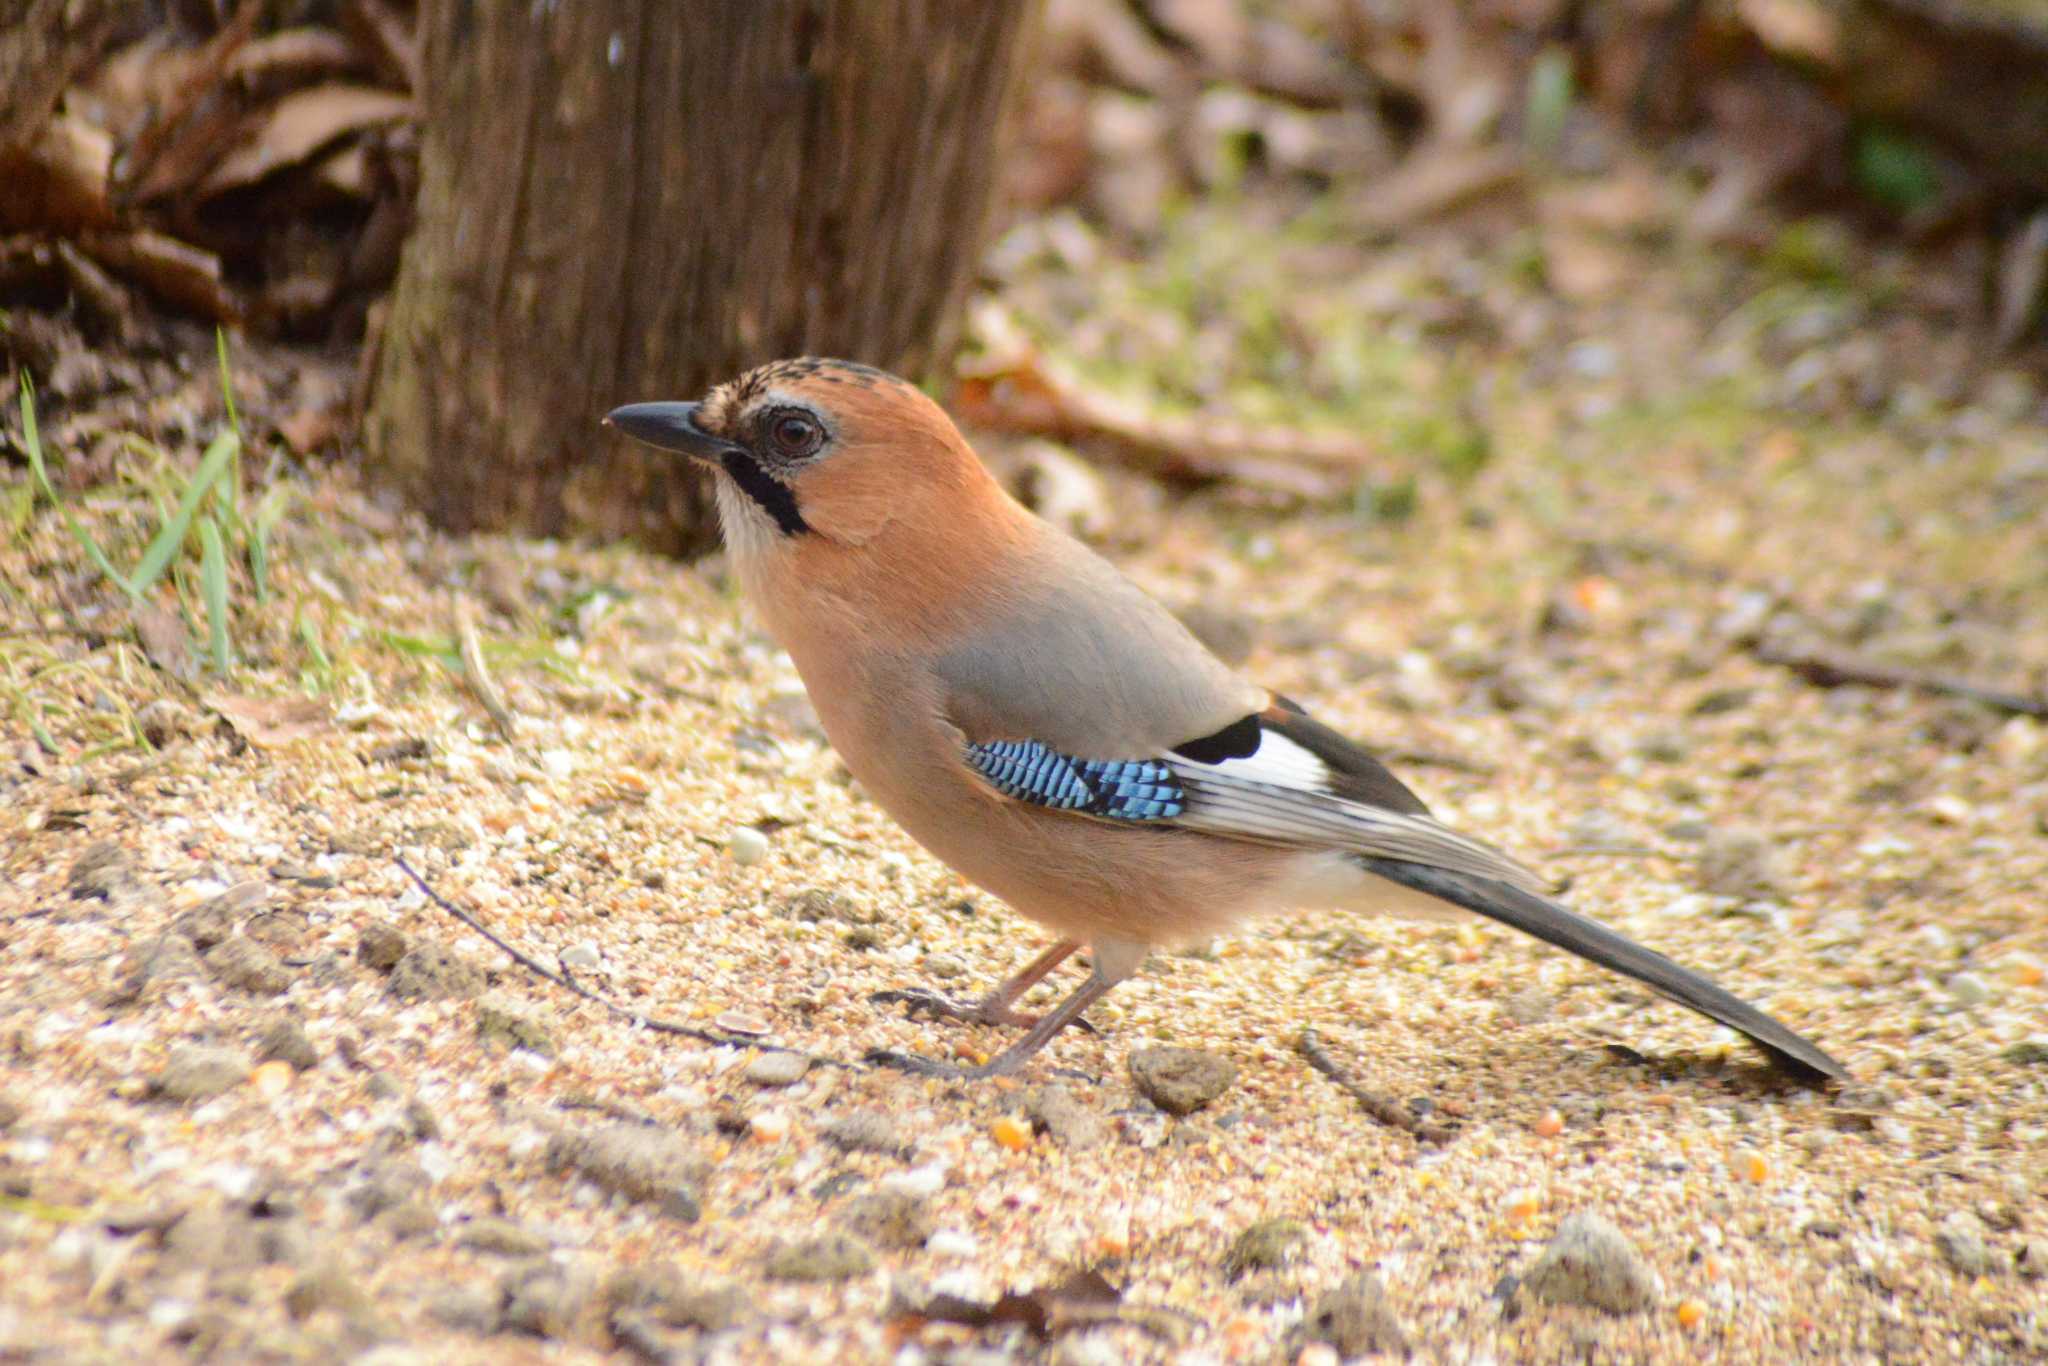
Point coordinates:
pixel 1591 940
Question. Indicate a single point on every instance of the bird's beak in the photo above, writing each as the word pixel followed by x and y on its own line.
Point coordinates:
pixel 671 427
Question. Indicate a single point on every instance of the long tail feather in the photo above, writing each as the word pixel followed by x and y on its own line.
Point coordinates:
pixel 1591 940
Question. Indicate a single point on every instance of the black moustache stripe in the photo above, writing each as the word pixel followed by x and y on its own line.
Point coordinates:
pixel 772 494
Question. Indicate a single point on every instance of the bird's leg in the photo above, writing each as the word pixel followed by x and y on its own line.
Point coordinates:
pixel 992 1009
pixel 1020 1052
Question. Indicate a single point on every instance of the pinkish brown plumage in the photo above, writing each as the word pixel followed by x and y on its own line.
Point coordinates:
pixel 1036 721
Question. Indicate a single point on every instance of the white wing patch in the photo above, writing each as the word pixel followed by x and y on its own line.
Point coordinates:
pixel 1278 761
pixel 1282 793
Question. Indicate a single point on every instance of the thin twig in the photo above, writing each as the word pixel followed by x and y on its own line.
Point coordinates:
pixel 1379 1107
pixel 659 1026
pixel 1832 668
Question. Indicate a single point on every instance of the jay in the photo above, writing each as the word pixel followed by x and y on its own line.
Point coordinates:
pixel 1035 720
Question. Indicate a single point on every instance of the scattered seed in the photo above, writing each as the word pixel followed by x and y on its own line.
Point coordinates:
pixel 1011 1133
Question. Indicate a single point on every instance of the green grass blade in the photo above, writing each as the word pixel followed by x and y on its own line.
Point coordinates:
pixel 227 384
pixel 227 395
pixel 309 636
pixel 33 440
pixel 158 556
pixel 269 513
pixel 213 583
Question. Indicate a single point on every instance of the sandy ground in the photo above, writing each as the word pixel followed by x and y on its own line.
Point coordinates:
pixel 505 1172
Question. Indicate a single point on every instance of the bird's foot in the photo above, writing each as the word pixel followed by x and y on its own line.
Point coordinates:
pixel 919 1066
pixel 934 1005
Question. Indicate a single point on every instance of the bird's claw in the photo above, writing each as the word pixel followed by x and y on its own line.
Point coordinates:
pixel 920 1066
pixel 924 1001
pixel 934 1005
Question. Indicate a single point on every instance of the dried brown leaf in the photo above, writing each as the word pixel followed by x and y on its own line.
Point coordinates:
pixel 172 270
pixel 294 56
pixel 301 124
pixel 59 181
pixel 192 116
pixel 163 640
pixel 273 722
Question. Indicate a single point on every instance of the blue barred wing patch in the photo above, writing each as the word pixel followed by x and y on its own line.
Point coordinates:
pixel 1121 789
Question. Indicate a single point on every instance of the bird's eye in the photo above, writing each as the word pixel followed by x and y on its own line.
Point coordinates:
pixel 795 435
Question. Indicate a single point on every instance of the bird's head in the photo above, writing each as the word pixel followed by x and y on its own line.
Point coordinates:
pixel 817 449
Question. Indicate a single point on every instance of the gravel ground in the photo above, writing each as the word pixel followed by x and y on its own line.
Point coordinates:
pixel 261 1099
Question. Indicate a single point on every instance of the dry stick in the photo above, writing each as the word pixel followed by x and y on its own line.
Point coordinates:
pixel 1832 668
pixel 471 651
pixel 562 980
pixel 1379 1107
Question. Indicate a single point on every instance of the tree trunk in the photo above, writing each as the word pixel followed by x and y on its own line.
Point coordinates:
pixel 631 199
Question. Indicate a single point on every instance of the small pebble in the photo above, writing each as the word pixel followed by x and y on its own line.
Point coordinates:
pixel 777 1069
pixel 1591 1262
pixel 1181 1081
pixel 888 1218
pixel 472 1309
pixel 953 1243
pixel 271 1079
pixel 826 1257
pixel 1969 989
pixel 1549 1124
pixel 502 1237
pixel 380 946
pixel 1268 1245
pixel 863 1131
pixel 543 1299
pixel 638 1161
pixel 2031 1260
pixel 284 1039
pixel 1950 809
pixel 1742 863
pixel 1356 1318
pixel 243 964
pixel 163 720
pixel 925 1181
pixel 327 1286
pixel 196 1072
pixel 1960 1239
pixel 678 1299
pixel 1070 1124
pixel 514 1023
pixel 2031 1051
pixel 739 1022
pixel 101 872
pixel 747 846
pixel 435 972
pixel 770 1126
pixel 1690 1312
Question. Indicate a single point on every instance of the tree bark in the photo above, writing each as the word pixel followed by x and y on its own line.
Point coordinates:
pixel 631 199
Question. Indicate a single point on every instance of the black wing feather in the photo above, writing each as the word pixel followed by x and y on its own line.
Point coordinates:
pixel 1591 940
